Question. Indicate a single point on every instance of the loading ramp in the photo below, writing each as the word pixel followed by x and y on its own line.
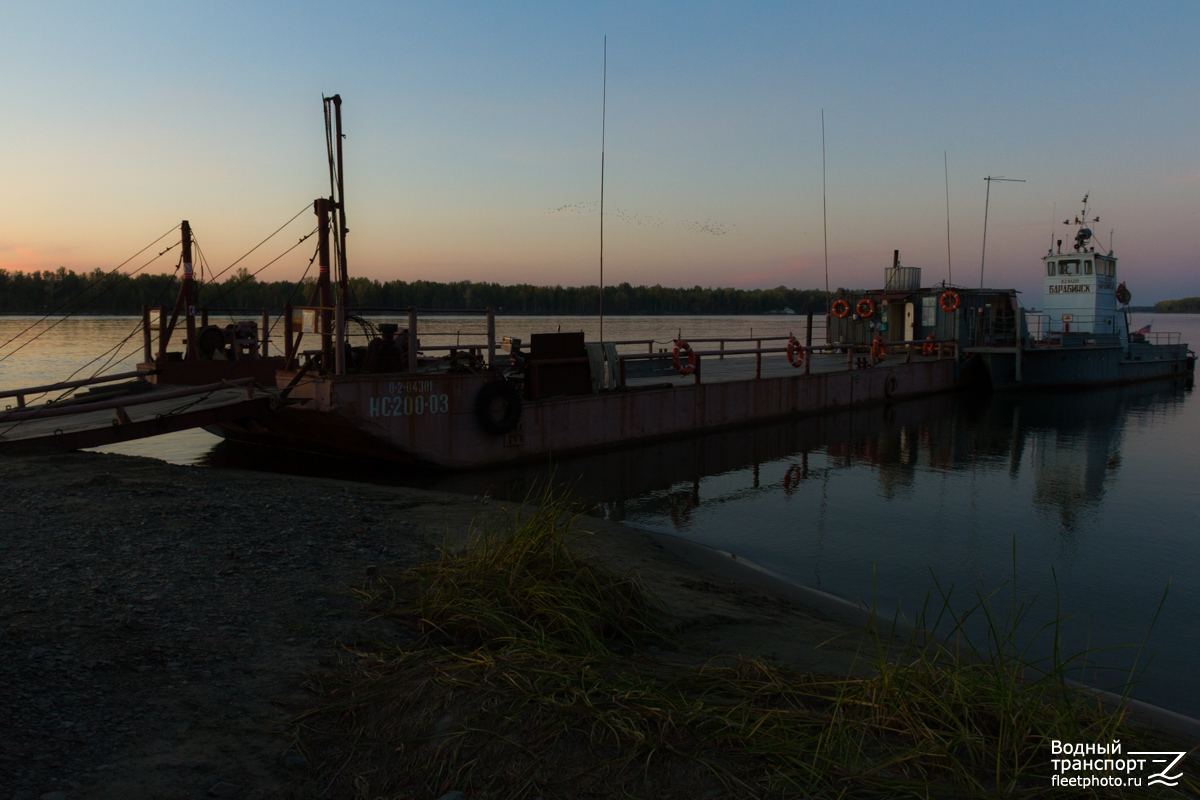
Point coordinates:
pixel 136 409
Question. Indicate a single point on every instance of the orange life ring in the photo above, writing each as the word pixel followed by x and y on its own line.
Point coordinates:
pixel 840 308
pixel 791 478
pixel 878 349
pixel 949 300
pixel 795 353
pixel 686 349
pixel 927 347
pixel 870 310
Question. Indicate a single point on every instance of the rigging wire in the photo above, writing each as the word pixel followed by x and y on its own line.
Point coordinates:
pixel 115 350
pixel 248 276
pixel 117 347
pixel 292 294
pixel 56 323
pixel 203 262
pixel 84 290
pixel 260 244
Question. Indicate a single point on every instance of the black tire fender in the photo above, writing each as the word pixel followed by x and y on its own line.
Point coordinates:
pixel 492 391
pixel 890 386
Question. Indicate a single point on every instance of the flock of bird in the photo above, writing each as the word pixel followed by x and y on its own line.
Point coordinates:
pixel 707 226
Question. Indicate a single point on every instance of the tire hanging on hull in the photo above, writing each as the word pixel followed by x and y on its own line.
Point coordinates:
pixel 485 402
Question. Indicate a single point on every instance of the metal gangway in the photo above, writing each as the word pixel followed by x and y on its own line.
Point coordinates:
pixel 134 409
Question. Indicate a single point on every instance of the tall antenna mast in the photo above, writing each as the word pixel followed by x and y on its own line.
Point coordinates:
pixel 1053 217
pixel 333 146
pixel 825 217
pixel 341 200
pixel 949 266
pixel 603 119
pixel 987 198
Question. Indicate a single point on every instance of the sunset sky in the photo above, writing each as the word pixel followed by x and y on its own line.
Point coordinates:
pixel 474 132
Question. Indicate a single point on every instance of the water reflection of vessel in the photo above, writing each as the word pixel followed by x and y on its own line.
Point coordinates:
pixel 1068 458
pixel 610 476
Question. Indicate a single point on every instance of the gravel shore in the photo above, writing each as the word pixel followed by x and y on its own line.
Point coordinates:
pixel 155 620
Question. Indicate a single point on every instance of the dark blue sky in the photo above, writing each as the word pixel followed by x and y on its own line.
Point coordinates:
pixel 473 146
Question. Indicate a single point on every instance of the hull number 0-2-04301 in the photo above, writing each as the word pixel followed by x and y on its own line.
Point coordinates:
pixel 408 405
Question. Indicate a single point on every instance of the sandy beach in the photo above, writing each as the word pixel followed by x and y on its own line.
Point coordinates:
pixel 157 619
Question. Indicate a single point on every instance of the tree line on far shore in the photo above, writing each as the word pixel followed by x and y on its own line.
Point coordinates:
pixel 1186 305
pixel 65 291
pixel 97 292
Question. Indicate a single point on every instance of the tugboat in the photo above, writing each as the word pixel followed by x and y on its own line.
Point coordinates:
pixel 1081 336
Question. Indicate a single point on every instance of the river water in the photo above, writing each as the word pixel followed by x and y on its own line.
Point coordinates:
pixel 1087 497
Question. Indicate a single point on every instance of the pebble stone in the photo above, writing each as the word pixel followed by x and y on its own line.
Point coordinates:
pixel 152 616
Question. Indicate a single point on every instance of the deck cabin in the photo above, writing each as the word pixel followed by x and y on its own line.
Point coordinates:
pixel 1080 337
pixel 905 311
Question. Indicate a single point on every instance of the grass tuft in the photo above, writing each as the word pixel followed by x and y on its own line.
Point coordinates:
pixel 523 679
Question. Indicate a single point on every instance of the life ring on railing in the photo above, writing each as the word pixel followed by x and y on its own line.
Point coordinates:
pixel 682 347
pixel 840 308
pixel 498 395
pixel 928 346
pixel 878 349
pixel 795 353
pixel 949 300
pixel 870 307
pixel 1123 294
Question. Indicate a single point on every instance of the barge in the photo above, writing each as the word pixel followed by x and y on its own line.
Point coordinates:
pixel 361 382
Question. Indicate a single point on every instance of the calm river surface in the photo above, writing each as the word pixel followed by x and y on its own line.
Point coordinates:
pixel 1095 490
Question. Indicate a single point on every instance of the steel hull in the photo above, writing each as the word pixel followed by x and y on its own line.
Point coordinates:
pixel 431 418
pixel 1080 367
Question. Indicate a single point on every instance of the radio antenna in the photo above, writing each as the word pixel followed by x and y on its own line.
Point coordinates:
pixel 603 115
pixel 949 266
pixel 987 198
pixel 824 217
pixel 1053 217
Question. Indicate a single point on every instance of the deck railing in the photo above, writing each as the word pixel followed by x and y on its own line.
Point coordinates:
pixel 21 394
pixel 329 323
pixel 316 320
pixel 120 403
pixel 1155 337
pixel 941 348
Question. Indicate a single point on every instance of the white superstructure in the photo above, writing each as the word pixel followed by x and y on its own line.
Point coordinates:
pixel 1080 293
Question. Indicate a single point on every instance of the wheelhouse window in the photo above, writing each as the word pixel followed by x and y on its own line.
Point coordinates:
pixel 1051 269
pixel 1068 267
pixel 1087 267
